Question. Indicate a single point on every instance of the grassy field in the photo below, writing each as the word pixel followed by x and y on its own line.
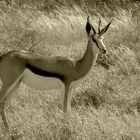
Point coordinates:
pixel 106 103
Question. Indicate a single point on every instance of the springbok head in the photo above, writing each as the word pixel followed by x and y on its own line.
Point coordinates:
pixel 97 37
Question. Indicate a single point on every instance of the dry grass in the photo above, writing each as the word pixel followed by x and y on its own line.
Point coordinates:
pixel 106 104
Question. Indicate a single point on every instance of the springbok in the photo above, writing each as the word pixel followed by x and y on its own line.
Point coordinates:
pixel 36 71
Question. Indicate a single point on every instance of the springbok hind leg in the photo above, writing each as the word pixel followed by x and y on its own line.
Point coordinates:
pixel 2 113
pixel 5 94
pixel 2 104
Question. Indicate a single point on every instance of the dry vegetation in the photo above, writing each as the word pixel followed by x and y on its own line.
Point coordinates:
pixel 106 104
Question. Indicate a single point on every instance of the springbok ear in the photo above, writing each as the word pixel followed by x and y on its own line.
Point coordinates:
pixel 105 28
pixel 89 27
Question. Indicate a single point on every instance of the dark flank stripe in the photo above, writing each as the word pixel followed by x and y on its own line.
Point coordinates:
pixel 44 73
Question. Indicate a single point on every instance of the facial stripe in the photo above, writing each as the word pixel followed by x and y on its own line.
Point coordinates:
pixel 95 42
pixel 44 73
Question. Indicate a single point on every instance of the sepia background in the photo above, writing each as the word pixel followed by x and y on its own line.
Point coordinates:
pixel 106 103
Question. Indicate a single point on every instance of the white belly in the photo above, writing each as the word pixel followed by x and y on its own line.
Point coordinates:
pixel 40 82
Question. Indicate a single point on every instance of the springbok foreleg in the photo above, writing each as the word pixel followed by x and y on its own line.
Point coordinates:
pixel 67 98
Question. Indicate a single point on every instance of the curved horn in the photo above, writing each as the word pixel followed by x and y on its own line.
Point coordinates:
pixel 99 25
